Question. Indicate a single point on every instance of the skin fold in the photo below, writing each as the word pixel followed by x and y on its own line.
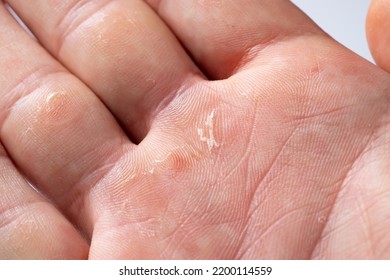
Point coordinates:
pixel 190 130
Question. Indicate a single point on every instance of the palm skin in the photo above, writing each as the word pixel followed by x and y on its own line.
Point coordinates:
pixel 282 152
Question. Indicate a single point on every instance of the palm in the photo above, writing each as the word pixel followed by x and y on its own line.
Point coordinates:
pixel 283 156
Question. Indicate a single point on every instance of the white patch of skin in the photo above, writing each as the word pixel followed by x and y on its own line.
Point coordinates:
pixel 207 134
pixel 125 204
pixel 51 96
pixel 54 100
pixel 163 159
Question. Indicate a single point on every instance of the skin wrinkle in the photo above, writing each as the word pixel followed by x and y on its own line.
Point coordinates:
pixel 37 83
pixel 360 157
pixel 257 189
pixel 260 238
pixel 339 188
pixel 9 215
pixel 258 49
pixel 267 173
pixel 185 88
pixel 78 204
pixel 74 18
pixel 369 205
pixel 367 227
pixel 271 187
pixel 248 144
pixel 351 166
pixel 357 156
pixel 117 93
pixel 236 59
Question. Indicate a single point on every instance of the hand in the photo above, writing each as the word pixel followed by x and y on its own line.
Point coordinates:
pixel 258 135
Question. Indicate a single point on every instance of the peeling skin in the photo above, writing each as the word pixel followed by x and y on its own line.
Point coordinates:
pixel 125 204
pixel 207 134
pixel 52 98
pixel 149 170
pixel 175 160
pixel 55 105
pixel 28 131
pixel 164 159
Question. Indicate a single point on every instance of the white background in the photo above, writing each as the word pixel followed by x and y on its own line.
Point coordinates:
pixel 344 20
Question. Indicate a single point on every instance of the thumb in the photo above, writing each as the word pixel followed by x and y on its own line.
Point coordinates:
pixel 378 32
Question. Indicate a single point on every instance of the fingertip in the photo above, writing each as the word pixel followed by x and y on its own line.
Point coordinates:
pixel 378 32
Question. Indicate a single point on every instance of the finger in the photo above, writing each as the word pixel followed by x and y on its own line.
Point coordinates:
pixel 120 49
pixel 54 128
pixel 30 227
pixel 222 47
pixel 378 35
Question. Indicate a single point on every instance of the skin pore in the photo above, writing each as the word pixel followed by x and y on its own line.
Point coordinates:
pixel 168 129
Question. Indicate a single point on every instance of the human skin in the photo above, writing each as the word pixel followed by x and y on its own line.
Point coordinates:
pixel 190 130
pixel 378 24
